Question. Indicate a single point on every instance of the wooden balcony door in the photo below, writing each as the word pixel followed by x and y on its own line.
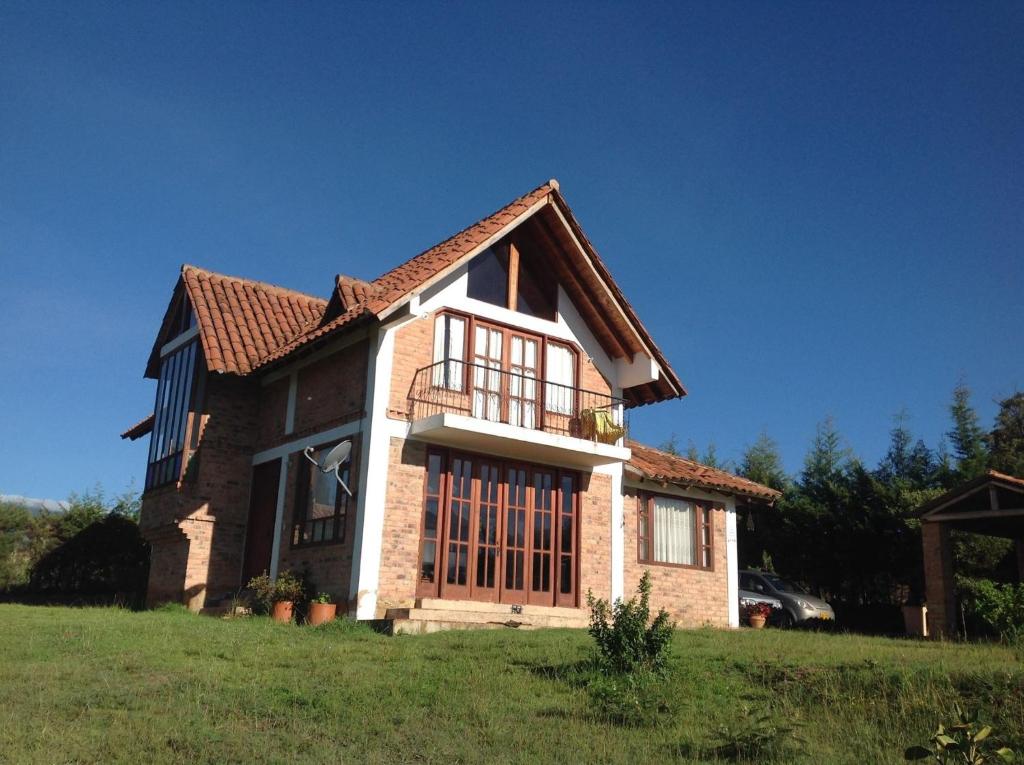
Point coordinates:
pixel 508 533
pixel 505 372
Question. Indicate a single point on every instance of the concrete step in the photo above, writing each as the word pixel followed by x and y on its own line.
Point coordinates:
pixel 531 620
pixel 502 609
pixel 426 626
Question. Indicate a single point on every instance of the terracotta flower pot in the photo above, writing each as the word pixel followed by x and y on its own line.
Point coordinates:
pixel 321 613
pixel 757 621
pixel 282 611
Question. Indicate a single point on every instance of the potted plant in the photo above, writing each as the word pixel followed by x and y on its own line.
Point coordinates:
pixel 322 610
pixel 279 595
pixel 757 614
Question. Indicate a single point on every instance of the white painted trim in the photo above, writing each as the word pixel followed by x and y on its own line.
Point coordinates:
pixel 289 413
pixel 475 251
pixel 369 532
pixel 604 284
pixel 311 440
pixel 180 340
pixel 618 537
pixel 275 552
pixel 732 563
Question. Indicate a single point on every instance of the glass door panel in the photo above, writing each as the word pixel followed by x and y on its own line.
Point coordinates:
pixel 488 351
pixel 517 511
pixel 522 382
pixel 543 538
pixel 460 509
pixel 487 532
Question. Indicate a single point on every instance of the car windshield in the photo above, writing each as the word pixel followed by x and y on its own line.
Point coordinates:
pixel 782 585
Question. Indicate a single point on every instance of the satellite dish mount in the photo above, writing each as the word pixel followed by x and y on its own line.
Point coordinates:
pixel 332 461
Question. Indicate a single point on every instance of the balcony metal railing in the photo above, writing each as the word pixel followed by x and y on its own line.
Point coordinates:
pixel 516 398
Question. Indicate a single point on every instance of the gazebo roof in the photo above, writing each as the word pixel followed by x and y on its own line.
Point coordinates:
pixel 992 503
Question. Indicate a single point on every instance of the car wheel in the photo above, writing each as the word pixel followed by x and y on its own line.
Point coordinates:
pixel 786 620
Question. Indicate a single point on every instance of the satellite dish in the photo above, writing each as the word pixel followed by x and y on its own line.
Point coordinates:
pixel 332 461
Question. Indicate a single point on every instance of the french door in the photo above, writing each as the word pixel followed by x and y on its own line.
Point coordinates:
pixel 498 531
pixel 506 364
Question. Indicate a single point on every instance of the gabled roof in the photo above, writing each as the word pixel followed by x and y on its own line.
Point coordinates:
pixel 245 325
pixel 656 465
pixel 542 216
pixel 957 495
pixel 240 321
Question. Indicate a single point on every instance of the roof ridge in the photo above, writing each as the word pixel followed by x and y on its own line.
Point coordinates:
pixel 550 186
pixel 254 282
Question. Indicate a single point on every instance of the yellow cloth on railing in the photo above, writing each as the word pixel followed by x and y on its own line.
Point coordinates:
pixel 599 425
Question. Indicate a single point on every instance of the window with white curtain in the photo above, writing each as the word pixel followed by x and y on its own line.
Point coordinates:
pixel 675 531
pixel 560 372
pixel 450 348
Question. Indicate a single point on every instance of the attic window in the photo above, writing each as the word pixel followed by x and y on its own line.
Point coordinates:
pixel 184 319
pixel 506 276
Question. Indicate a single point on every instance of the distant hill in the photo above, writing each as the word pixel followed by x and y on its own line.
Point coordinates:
pixel 35 505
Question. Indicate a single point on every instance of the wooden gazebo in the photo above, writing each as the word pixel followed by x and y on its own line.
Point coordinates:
pixel 991 504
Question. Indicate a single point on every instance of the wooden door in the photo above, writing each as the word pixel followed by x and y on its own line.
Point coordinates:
pixel 488 365
pixel 486 531
pixel 523 391
pixel 456 581
pixel 259 532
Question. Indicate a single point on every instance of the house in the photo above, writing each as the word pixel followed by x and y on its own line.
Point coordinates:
pixel 485 386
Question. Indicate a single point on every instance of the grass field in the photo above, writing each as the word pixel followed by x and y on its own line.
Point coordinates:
pixel 106 685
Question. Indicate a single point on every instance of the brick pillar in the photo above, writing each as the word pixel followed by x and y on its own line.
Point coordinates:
pixel 938 579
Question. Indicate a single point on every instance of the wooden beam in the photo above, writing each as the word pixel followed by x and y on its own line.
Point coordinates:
pixel 513 276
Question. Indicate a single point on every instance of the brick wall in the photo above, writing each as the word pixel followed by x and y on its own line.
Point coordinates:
pixel 938 579
pixel 414 349
pixel 403 510
pixel 197 529
pixel 595 536
pixel 332 390
pixel 693 597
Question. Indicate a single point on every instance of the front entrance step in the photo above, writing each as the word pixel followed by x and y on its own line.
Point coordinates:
pixel 434 614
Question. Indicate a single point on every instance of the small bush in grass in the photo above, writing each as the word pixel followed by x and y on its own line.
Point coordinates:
pixel 627 640
pixel 635 700
pixel 758 737
pixel 965 741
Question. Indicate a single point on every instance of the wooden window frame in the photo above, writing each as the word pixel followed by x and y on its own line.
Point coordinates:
pixel 468 351
pixel 703 518
pixel 510 249
pixel 183 416
pixel 344 505
pixel 436 589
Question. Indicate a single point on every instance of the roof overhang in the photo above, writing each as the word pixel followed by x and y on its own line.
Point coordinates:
pixel 991 504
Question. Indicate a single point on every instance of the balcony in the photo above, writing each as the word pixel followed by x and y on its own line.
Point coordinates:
pixel 484 408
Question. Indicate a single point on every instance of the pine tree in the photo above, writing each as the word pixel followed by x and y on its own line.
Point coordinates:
pixel 967 436
pixel 1006 440
pixel 762 463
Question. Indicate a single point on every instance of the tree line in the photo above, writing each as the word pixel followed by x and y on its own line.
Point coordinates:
pixel 849 531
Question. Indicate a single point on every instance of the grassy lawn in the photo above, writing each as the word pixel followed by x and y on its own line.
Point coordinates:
pixel 105 685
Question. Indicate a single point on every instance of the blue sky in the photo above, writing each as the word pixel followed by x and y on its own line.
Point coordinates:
pixel 816 208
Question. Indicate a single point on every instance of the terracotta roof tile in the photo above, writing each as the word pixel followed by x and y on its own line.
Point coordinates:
pixel 139 429
pixel 242 322
pixel 662 466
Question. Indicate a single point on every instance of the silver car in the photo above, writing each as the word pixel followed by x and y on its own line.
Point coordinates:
pixel 797 605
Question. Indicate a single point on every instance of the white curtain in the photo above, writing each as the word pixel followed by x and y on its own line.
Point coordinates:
pixel 674 531
pixel 449 346
pixel 561 369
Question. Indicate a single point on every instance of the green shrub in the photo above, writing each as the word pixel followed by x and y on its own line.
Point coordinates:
pixel 637 699
pixel 999 606
pixel 627 640
pixel 758 737
pixel 965 742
